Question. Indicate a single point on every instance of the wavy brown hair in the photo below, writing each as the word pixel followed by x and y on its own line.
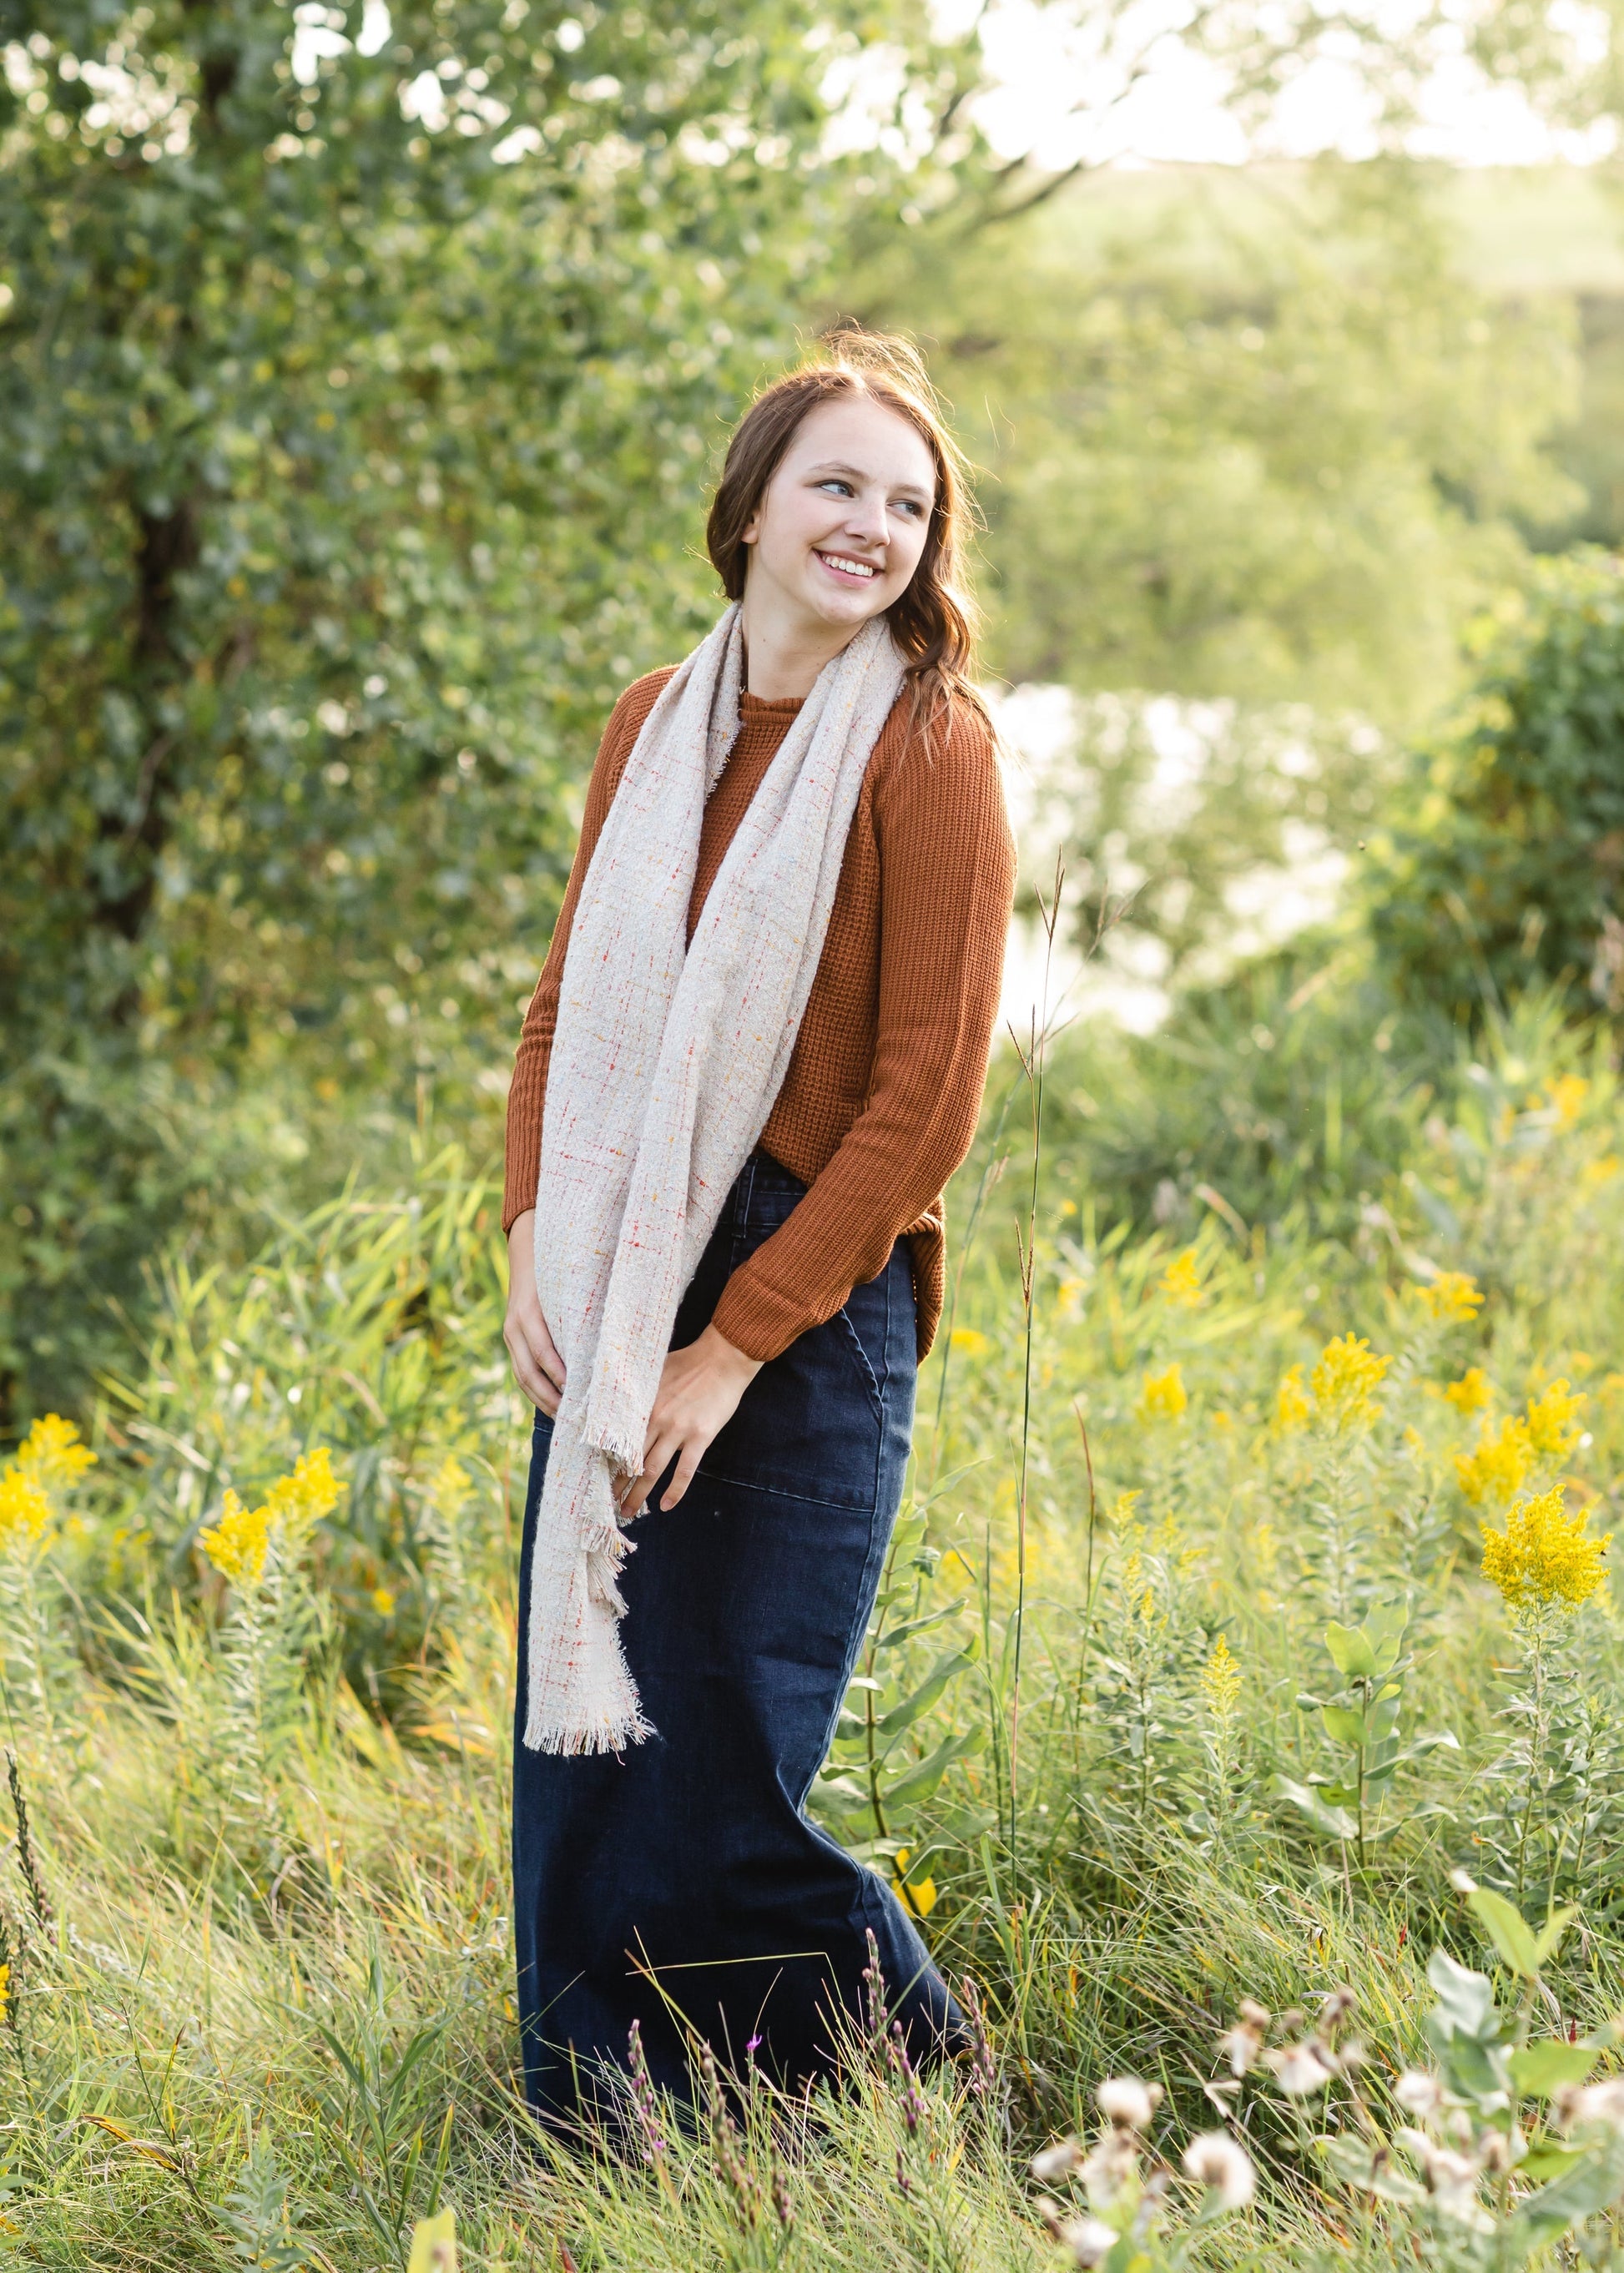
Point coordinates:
pixel 933 622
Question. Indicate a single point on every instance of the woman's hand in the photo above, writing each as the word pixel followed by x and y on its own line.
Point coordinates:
pixel 699 1392
pixel 538 1367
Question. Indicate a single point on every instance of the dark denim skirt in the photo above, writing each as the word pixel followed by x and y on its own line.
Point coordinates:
pixel 680 1884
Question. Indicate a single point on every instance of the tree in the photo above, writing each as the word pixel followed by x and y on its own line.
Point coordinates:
pixel 1504 866
pixel 359 372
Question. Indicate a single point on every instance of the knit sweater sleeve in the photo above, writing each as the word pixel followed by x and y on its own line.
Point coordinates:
pixel 947 883
pixel 527 1092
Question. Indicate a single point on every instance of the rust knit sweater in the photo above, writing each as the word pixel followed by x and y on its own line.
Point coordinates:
pixel 884 1084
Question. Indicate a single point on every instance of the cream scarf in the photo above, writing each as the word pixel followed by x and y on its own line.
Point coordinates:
pixel 665 1063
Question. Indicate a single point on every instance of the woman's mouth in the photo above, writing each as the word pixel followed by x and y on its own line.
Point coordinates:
pixel 845 566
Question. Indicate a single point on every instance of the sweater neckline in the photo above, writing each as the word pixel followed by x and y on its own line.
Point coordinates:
pixel 759 706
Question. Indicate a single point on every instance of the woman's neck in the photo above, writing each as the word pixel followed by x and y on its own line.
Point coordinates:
pixel 784 653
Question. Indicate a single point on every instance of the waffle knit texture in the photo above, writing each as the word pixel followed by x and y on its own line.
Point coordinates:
pixel 883 1087
pixel 666 1058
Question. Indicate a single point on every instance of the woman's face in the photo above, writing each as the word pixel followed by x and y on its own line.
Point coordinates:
pixel 842 523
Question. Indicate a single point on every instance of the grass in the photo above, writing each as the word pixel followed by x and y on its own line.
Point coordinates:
pixel 260 2010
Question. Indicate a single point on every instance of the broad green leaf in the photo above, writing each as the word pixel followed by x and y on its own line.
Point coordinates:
pixel 919 1782
pixel 1545 1942
pixel 1351 1652
pixel 1591 2183
pixel 1508 1929
pixel 902 1716
pixel 1330 1822
pixel 1539 2070
pixel 896 1634
pixel 1465 1998
pixel 1346 1726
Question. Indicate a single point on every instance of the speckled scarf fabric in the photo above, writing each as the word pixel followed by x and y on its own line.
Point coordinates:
pixel 666 1060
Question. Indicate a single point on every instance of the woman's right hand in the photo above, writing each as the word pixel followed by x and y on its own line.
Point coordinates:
pixel 538 1367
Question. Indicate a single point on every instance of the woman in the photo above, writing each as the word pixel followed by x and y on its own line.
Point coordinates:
pixel 755 1056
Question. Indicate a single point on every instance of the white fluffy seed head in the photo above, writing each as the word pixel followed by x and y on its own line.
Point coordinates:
pixel 1596 2103
pixel 1215 2161
pixel 1301 2069
pixel 1056 2161
pixel 1089 2240
pixel 1127 2102
pixel 1421 2093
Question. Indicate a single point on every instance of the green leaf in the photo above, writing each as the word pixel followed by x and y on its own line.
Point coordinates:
pixel 1344 1725
pixel 1546 2161
pixel 1508 1929
pixel 895 1634
pixel 1591 2183
pixel 919 1781
pixel 1555 1926
pixel 1330 1822
pixel 1539 2070
pixel 1350 1652
pixel 1465 1998
pixel 949 1665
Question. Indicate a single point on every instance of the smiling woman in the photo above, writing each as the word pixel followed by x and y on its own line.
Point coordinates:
pixel 754 1058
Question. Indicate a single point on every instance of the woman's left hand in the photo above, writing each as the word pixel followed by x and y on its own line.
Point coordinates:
pixel 699 1392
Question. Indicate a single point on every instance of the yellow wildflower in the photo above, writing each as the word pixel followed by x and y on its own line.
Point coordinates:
pixel 239 1542
pixel 1543 1558
pixel 1496 1470
pixel 6 1987
pixel 918 1895
pixel 1221 1680
pixel 1565 1099
pixel 1348 1370
pixel 383 1600
pixel 1164 1396
pixel 24 1508
pixel 967 1338
pixel 1471 1392
pixel 1599 1172
pixel 1181 1282
pixel 1552 1427
pixel 1123 1508
pixel 451 1485
pixel 51 1452
pixel 312 1491
pixel 1291 1405
pixel 1454 1296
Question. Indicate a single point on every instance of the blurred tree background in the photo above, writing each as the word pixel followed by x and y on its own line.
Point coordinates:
pixel 361 371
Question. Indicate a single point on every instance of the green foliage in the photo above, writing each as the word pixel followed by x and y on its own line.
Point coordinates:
pixel 1250 438
pixel 355 404
pixel 1501 869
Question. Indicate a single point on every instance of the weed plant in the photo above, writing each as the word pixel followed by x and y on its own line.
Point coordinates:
pixel 1295 1544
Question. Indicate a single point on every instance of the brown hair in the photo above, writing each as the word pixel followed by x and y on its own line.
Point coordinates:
pixel 934 620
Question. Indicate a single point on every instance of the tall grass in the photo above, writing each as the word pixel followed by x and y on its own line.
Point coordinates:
pixel 281 2033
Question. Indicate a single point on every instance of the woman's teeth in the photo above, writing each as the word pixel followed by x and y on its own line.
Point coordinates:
pixel 845 566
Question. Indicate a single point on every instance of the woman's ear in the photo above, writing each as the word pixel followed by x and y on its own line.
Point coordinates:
pixel 751 530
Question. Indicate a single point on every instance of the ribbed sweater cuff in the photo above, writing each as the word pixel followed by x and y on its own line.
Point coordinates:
pixel 757 1319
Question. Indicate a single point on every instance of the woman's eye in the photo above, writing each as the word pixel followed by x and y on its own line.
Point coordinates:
pixel 844 488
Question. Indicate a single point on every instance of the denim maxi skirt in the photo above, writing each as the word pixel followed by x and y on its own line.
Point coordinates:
pixel 679 1883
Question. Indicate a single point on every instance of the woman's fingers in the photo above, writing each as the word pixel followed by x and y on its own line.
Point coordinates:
pixel 541 1391
pixel 693 1452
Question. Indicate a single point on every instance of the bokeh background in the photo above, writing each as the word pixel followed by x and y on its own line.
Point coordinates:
pixel 362 373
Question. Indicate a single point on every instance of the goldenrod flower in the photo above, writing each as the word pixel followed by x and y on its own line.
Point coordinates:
pixel 25 1511
pixel 918 1895
pixel 303 1499
pixel 1291 1405
pixel 967 1339
pixel 1348 1370
pixel 239 1542
pixel 1164 1396
pixel 383 1600
pixel 1454 1295
pixel 1221 1680
pixel 1552 1428
pixel 1565 1099
pixel 1181 1282
pixel 1543 1558
pixel 1599 1172
pixel 52 1454
pixel 6 1987
pixel 1471 1392
pixel 451 1485
pixel 1496 1471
